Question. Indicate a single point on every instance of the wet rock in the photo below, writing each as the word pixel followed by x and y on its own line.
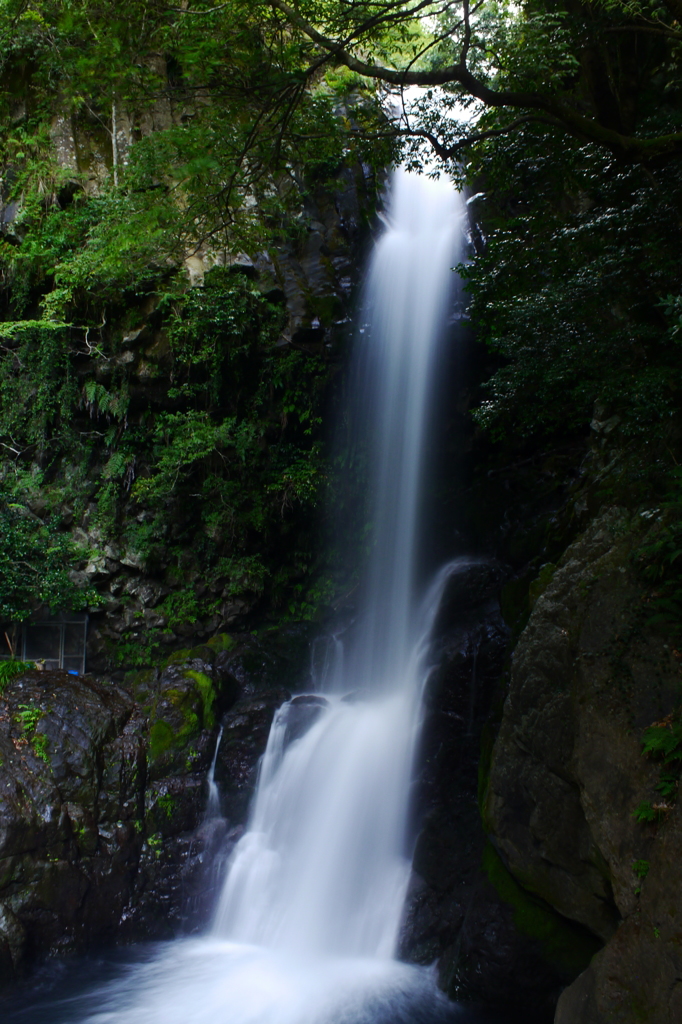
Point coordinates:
pixel 472 584
pixel 103 796
pixel 301 713
pixel 567 773
pixel 275 658
pixel 492 944
pixel 12 942
pixel 56 842
pixel 245 732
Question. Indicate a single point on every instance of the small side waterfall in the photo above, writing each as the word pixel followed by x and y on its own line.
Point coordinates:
pixel 213 802
pixel 308 920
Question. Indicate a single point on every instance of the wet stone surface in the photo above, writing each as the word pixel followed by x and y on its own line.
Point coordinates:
pixel 103 795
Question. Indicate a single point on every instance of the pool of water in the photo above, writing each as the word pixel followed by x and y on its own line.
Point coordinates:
pixel 208 981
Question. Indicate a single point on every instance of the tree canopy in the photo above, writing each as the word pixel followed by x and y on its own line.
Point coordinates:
pixel 605 71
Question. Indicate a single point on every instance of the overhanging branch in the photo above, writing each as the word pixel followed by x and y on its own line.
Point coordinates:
pixel 557 111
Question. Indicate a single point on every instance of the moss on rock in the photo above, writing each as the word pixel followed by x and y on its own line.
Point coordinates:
pixel 564 944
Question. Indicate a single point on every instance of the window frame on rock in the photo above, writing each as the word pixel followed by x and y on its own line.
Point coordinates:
pixel 54 641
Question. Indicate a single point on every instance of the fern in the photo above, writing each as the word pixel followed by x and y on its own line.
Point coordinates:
pixel 662 741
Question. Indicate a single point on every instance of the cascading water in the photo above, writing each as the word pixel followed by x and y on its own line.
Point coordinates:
pixel 307 924
pixel 213 802
pixel 322 869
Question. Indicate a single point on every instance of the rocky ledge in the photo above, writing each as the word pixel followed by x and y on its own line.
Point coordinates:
pixel 103 795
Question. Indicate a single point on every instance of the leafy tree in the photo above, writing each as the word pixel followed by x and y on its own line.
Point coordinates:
pixel 605 73
pixel 580 250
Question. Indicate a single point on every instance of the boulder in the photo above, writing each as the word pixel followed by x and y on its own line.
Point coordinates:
pixel 301 713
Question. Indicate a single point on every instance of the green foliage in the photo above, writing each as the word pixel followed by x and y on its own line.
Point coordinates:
pixel 641 868
pixel 646 813
pixel 29 716
pixel 134 651
pixel 36 559
pixel 205 484
pixel 10 668
pixel 40 744
pixel 662 742
pixel 155 844
pixel 579 250
pixel 218 477
pixel 167 804
pixel 180 608
pixel 37 386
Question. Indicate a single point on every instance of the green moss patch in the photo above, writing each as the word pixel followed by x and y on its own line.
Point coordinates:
pixel 161 738
pixel 541 582
pixel 207 692
pixel 221 642
pixel 565 945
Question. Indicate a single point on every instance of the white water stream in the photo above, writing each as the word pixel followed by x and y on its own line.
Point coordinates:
pixel 322 868
pixel 308 921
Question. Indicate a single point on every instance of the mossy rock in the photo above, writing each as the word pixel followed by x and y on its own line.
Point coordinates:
pixel 203 652
pixel 178 657
pixel 566 946
pixel 540 584
pixel 206 690
pixel 177 719
pixel 182 711
pixel 221 642
pixel 161 739
pixel 141 683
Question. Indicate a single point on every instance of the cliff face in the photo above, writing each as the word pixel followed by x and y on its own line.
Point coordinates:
pixel 568 779
pixel 163 432
pixel 222 363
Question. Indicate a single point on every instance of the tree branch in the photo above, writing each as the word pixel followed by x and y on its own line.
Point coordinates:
pixel 630 148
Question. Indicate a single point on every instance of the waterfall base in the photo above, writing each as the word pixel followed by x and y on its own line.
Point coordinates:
pixel 210 981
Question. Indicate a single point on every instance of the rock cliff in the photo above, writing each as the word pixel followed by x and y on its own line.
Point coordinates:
pixel 567 779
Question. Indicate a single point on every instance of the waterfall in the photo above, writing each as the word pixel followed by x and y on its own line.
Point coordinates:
pixel 322 867
pixel 213 802
pixel 409 284
pixel 308 920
